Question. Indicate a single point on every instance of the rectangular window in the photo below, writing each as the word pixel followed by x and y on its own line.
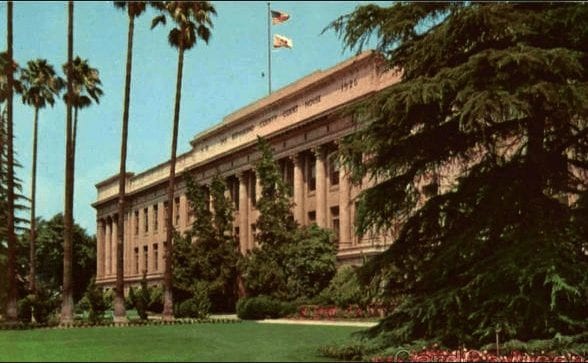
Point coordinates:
pixel 146 220
pixel 253 232
pixel 311 173
pixel 155 257
pixel 136 222
pixel 333 169
pixel 145 258
pixel 165 213
pixel 234 185
pixel 253 187
pixel 136 260
pixel 335 223
pixel 312 217
pixel 155 217
pixel 177 211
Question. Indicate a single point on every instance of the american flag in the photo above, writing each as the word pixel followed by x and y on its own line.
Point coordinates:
pixel 279 17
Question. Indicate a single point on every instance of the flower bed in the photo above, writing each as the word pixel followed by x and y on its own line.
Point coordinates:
pixel 318 312
pixel 477 356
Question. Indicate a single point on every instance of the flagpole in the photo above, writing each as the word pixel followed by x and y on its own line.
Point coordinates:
pixel 269 50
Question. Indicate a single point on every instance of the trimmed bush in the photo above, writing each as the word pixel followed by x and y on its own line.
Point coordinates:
pixel 263 307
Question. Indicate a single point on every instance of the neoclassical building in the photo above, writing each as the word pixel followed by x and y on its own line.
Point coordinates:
pixel 302 122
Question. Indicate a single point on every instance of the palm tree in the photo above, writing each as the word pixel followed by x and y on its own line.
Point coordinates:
pixel 85 83
pixel 11 312
pixel 192 21
pixel 67 293
pixel 134 9
pixel 40 86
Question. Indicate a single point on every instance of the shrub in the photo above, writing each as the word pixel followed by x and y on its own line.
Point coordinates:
pixel 263 307
pixel 344 290
pixel 141 298
pixel 41 305
pixel 108 296
pixel 155 299
pixel 97 302
pixel 198 306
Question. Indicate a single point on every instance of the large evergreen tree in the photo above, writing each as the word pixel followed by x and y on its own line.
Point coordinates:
pixel 481 152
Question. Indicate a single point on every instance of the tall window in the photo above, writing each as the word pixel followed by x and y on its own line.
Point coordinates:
pixel 253 186
pixel 155 257
pixel 311 173
pixel 165 213
pixel 177 211
pixel 311 217
pixel 234 190
pixel 146 220
pixel 335 223
pixel 287 172
pixel 145 258
pixel 136 260
pixel 155 217
pixel 136 222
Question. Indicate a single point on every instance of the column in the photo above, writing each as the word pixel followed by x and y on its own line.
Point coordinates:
pixel 127 243
pixel 162 236
pixel 243 213
pixel 321 187
pixel 257 187
pixel 99 248
pixel 298 189
pixel 184 207
pixel 345 229
pixel 108 247
pixel 114 244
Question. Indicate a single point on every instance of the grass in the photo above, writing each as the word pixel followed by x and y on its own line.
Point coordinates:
pixel 245 342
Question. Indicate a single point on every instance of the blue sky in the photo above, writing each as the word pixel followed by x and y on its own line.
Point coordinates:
pixel 219 78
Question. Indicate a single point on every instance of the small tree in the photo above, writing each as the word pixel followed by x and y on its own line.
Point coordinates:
pixel 96 302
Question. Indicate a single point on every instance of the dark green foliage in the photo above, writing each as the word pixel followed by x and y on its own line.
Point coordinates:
pixel 156 299
pixel 96 303
pixel 198 305
pixel 291 262
pixel 49 252
pixel 141 298
pixel 311 262
pixel 491 113
pixel 344 289
pixel 263 307
pixel 208 253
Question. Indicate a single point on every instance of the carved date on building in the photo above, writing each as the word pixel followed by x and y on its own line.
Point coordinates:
pixel 348 84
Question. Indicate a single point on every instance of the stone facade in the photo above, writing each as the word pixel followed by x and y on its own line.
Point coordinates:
pixel 302 123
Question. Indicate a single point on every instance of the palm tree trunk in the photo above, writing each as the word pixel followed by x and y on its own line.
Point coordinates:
pixel 67 296
pixel 74 137
pixel 32 282
pixel 11 312
pixel 167 277
pixel 119 298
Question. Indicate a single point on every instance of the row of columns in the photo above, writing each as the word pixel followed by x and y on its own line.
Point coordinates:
pixel 107 227
pixel 300 195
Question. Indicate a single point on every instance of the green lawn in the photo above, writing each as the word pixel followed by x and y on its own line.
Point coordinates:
pixel 246 341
